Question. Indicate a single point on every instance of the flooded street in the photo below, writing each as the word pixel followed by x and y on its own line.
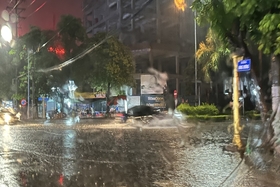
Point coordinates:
pixel 121 155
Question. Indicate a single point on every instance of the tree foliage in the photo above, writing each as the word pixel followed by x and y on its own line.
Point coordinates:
pixel 210 54
pixel 28 51
pixel 71 32
pixel 112 63
pixel 7 74
pixel 239 22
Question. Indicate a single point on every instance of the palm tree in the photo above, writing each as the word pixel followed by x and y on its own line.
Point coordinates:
pixel 210 54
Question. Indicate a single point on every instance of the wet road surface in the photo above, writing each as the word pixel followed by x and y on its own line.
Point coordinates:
pixel 115 155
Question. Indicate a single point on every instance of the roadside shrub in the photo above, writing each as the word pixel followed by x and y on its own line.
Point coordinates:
pixel 253 114
pixel 216 118
pixel 186 109
pixel 204 109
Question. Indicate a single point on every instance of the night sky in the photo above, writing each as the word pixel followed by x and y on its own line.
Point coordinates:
pixel 46 17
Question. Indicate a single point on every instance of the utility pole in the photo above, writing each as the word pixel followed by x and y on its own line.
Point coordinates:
pixel 28 89
pixel 16 11
pixel 236 116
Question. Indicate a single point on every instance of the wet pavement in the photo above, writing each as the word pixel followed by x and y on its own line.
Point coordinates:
pixel 117 155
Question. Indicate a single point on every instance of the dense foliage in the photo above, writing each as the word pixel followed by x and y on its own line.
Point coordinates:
pixel 113 63
pixel 109 63
pixel 204 109
pixel 211 55
pixel 241 25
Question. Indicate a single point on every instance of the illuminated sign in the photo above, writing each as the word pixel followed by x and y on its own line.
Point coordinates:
pixel 156 101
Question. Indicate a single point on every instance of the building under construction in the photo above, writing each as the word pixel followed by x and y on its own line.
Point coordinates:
pixel 159 35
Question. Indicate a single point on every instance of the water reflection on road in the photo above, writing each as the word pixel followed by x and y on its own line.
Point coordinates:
pixel 87 155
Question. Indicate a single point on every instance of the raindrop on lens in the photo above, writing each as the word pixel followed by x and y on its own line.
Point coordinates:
pixel 14 18
pixel 5 15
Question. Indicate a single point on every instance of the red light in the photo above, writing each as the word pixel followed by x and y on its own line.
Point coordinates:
pixel 59 51
pixel 50 49
pixel 60 180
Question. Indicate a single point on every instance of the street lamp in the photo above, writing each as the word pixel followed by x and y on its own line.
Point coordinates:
pixel 195 60
pixel 6 33
pixel 181 5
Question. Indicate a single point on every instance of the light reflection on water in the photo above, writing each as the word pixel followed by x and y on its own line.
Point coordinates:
pixel 69 153
pixel 7 174
pixel 120 157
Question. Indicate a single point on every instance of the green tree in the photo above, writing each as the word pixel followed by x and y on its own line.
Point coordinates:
pixel 113 64
pixel 71 32
pixel 73 39
pixel 109 65
pixel 211 54
pixel 7 74
pixel 38 57
pixel 238 23
pixel 213 58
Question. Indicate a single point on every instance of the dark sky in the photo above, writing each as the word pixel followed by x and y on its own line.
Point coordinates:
pixel 48 15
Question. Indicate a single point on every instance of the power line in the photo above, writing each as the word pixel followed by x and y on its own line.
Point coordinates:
pixel 17 10
pixel 37 9
pixel 70 61
pixel 82 54
pixel 31 3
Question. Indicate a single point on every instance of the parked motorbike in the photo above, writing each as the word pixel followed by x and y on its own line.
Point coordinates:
pixel 56 115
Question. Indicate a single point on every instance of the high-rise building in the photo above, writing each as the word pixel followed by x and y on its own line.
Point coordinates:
pixel 159 35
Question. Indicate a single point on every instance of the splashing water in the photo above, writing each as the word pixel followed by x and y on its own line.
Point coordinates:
pixel 260 133
pixel 161 77
pixel 256 95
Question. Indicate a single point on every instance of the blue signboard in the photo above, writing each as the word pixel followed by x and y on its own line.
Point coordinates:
pixel 41 99
pixel 244 65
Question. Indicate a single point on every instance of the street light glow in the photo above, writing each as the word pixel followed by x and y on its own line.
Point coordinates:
pixel 180 4
pixel 6 33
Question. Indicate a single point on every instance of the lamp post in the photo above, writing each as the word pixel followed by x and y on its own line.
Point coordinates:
pixel 181 5
pixel 28 83
pixel 195 61
pixel 28 87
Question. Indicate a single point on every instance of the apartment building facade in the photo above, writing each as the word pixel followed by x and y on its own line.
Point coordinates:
pixel 159 35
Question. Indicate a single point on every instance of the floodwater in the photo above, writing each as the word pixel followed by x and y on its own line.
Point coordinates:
pixel 118 155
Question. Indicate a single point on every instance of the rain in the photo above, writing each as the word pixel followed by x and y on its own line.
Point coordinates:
pixel 69 122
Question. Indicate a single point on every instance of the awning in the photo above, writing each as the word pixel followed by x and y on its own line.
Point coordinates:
pixel 89 95
pixel 114 100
